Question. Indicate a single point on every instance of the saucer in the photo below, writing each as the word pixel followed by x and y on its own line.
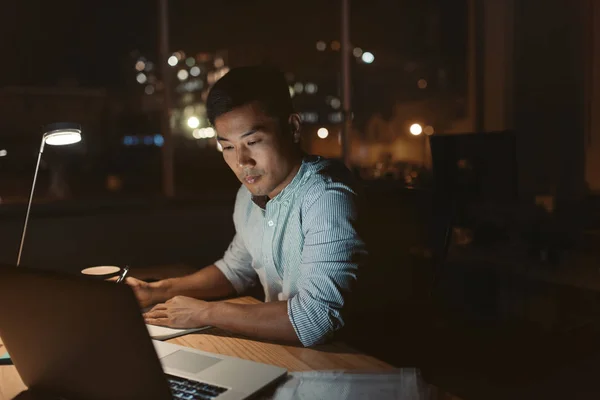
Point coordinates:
pixel 102 271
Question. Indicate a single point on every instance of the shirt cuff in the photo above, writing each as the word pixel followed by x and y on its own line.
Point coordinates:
pixel 304 320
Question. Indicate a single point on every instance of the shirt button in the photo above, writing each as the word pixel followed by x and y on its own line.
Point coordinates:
pixel 271 223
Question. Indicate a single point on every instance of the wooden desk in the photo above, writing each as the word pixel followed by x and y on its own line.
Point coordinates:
pixel 334 356
pixel 293 358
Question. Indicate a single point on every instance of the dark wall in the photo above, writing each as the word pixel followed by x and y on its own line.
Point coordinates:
pixel 549 97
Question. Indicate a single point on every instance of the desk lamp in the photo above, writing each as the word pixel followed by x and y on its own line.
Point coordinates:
pixel 58 134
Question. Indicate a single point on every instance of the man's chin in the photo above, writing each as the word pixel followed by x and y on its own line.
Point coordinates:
pixel 255 191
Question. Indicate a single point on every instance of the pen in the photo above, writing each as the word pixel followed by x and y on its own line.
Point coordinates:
pixel 123 274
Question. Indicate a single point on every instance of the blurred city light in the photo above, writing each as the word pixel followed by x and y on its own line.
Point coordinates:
pixel 195 71
pixel 190 61
pixel 204 133
pixel 133 140
pixel 321 45
pixel 149 89
pixel 368 57
pixel 140 65
pixel 322 133
pixel 416 129
pixel 422 83
pixel 141 77
pixel 219 62
pixel 193 122
pixel 214 76
pixel 159 140
pixel 156 140
pixel 182 75
pixel 311 88
pixel 191 86
pixel 335 117
pixel 291 89
pixel 428 130
pixel 357 52
pixel 335 103
pixel 3 153
pixel 335 45
pixel 310 117
pixel 219 147
pixel 298 87
pixel 172 61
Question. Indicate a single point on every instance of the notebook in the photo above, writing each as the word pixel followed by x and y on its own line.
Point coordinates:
pixel 164 333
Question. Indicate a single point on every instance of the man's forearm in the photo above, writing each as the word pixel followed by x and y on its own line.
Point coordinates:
pixel 268 321
pixel 208 283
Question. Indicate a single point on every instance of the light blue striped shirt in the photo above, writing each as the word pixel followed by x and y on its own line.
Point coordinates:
pixel 303 247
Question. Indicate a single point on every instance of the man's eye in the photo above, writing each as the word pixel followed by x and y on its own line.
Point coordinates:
pixel 227 147
pixel 253 142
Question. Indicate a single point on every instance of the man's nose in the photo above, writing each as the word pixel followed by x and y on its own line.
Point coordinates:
pixel 244 159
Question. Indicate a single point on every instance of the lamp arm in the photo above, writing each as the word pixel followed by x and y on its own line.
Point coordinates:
pixel 37 167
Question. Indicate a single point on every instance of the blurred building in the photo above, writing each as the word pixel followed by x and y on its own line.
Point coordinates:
pixel 191 77
pixel 424 84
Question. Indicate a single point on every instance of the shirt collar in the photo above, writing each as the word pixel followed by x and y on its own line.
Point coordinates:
pixel 292 187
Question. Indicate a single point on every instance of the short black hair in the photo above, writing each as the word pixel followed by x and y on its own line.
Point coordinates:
pixel 245 85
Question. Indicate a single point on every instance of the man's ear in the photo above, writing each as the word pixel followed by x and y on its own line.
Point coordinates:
pixel 295 125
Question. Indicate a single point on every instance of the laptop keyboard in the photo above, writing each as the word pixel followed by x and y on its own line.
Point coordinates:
pixel 192 390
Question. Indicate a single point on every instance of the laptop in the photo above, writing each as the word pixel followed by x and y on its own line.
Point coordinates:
pixel 79 338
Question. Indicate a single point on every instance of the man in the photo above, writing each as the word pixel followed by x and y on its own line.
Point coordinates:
pixel 294 218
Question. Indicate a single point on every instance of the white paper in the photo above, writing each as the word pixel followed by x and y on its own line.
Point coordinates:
pixel 404 384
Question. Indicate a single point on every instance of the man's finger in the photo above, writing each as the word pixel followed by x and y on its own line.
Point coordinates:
pixel 132 281
pixel 156 314
pixel 157 321
pixel 158 307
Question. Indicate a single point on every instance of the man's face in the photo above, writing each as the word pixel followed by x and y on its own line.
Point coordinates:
pixel 260 155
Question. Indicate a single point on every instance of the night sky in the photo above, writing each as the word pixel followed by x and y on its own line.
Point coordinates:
pixel 43 42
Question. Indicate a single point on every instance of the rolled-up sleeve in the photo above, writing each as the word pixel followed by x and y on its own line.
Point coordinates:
pixel 236 265
pixel 331 257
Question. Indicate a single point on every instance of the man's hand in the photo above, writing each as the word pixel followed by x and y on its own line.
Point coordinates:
pixel 143 291
pixel 179 312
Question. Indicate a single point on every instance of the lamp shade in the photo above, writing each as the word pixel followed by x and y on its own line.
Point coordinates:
pixel 62 133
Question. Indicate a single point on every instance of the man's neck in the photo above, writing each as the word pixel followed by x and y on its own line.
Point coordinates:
pixel 290 177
